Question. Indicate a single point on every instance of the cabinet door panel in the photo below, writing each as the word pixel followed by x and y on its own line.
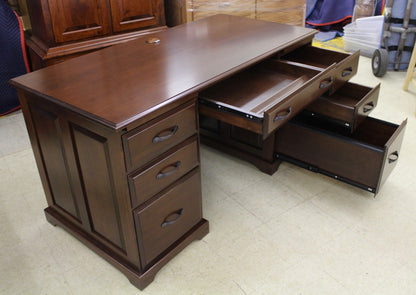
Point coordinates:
pixel 74 20
pixel 131 15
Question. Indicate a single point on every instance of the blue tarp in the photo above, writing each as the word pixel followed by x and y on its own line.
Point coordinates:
pixel 329 14
pixel 12 57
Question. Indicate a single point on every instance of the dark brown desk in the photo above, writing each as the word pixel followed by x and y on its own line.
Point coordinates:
pixel 115 133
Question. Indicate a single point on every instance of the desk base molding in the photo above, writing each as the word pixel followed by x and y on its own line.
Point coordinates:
pixel 139 279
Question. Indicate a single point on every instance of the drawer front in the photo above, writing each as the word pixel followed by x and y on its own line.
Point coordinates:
pixel 165 220
pixel 143 144
pixel 284 11
pixel 202 8
pixel 358 159
pixel 345 70
pixel 349 106
pixel 282 112
pixel 264 97
pixel 147 182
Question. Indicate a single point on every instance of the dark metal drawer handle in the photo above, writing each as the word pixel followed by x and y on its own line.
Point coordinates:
pixel 159 138
pixel 325 83
pixel 347 72
pixel 164 174
pixel 368 107
pixel 282 117
pixel 172 218
pixel 393 157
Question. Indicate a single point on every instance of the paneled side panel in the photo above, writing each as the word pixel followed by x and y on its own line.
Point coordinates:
pixel 52 150
pixel 131 15
pixel 93 155
pixel 74 20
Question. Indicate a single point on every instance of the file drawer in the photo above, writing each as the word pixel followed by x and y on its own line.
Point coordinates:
pixel 364 158
pixel 167 218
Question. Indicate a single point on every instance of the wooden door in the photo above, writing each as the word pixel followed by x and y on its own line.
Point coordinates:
pixel 75 20
pixel 136 14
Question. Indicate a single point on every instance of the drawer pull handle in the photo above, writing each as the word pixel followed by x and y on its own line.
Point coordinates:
pixel 283 115
pixel 159 138
pixel 368 107
pixel 393 157
pixel 172 218
pixel 346 72
pixel 153 40
pixel 175 166
pixel 325 83
pixel 223 5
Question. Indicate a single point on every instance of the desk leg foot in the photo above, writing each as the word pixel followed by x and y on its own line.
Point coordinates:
pixel 140 279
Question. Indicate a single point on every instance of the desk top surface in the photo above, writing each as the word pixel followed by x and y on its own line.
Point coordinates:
pixel 122 83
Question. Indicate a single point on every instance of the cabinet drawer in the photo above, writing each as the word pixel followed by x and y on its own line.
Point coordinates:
pixel 314 57
pixel 282 11
pixel 163 221
pixel 364 158
pixel 152 179
pixel 203 8
pixel 143 144
pixel 348 106
pixel 265 96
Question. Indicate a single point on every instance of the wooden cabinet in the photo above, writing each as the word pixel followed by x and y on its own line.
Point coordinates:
pixel 74 20
pixel 136 217
pixel 133 15
pixel 280 11
pixel 62 28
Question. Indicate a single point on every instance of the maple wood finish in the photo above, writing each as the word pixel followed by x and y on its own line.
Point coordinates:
pixel 115 133
pixel 62 28
pixel 280 11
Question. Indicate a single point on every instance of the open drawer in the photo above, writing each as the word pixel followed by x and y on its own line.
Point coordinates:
pixel 348 106
pixel 265 96
pixel 314 57
pixel 364 158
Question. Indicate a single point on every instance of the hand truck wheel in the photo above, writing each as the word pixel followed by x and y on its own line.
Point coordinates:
pixel 380 62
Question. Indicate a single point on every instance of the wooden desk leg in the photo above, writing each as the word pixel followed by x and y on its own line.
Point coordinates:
pixel 410 70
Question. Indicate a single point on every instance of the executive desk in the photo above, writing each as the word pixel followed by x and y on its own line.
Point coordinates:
pixel 116 138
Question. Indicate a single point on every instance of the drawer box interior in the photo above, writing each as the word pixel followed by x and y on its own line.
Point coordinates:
pixel 348 106
pixel 364 158
pixel 318 58
pixel 265 96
